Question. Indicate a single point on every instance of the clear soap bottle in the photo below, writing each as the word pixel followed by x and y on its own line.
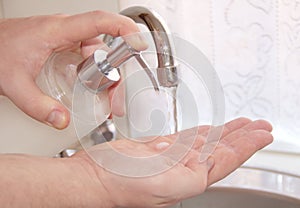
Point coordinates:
pixel 82 85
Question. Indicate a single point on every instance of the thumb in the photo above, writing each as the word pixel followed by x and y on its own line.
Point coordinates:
pixel 26 95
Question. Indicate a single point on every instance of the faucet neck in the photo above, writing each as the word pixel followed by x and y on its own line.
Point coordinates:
pixel 166 69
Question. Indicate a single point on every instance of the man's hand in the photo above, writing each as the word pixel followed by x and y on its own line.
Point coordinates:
pixel 26 43
pixel 186 178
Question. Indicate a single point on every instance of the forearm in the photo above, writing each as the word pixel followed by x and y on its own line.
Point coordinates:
pixel 27 181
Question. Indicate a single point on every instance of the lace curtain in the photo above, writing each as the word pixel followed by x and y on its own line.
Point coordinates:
pixel 254 46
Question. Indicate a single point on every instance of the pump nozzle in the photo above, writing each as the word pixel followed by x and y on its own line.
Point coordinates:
pixel 100 70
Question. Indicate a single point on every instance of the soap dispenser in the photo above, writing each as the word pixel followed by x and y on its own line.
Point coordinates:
pixel 81 85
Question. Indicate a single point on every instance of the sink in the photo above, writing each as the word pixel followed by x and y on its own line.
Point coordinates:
pixel 237 198
pixel 249 187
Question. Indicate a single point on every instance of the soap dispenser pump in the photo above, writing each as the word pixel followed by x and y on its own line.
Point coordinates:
pixel 81 84
pixel 101 70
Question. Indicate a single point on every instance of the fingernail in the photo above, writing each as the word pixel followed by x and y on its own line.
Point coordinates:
pixel 57 119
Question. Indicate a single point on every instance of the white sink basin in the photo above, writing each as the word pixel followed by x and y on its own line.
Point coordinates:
pixel 250 188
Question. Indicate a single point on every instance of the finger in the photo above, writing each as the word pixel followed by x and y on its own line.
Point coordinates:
pixel 204 130
pixel 234 125
pixel 92 24
pixel 256 140
pixel 28 97
pixel 229 157
pixel 242 130
pixel 260 124
pixel 208 134
pixel 216 134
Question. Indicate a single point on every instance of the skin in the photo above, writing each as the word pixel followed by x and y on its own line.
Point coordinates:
pixel 80 182
pixel 28 42
pixel 30 181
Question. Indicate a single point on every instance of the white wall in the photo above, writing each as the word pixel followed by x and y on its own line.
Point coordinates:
pixel 1 10
pixel 17 8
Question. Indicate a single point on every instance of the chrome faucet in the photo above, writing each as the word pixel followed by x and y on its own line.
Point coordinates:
pixel 166 69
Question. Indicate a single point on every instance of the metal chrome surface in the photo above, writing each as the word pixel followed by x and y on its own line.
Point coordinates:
pixel 166 69
pixel 248 188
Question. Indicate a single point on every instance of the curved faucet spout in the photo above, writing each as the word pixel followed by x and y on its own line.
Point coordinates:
pixel 166 69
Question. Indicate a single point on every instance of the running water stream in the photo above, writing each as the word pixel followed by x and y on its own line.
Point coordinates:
pixel 171 93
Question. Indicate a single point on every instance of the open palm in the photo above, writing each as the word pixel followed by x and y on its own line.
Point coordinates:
pixel 180 179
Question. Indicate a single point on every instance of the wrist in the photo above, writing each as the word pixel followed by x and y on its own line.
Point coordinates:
pixel 50 182
pixel 85 183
